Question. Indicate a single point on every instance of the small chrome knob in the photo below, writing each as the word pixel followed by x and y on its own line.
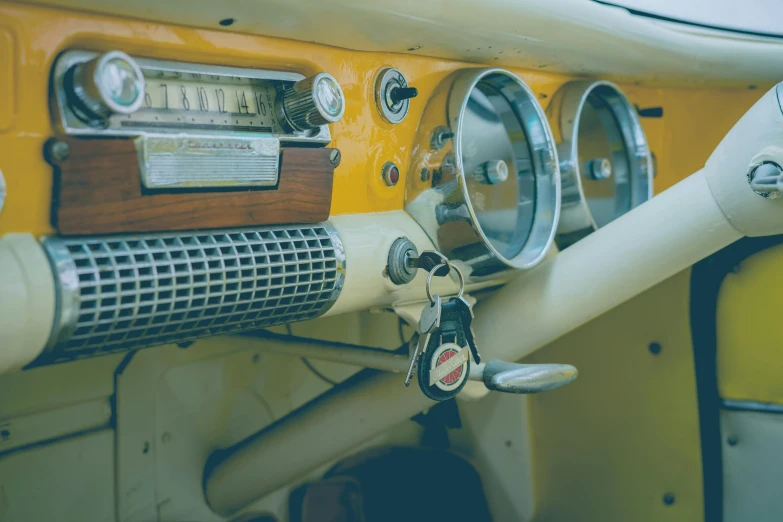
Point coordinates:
pixel 312 102
pixel 111 83
pixel 598 169
pixel 492 172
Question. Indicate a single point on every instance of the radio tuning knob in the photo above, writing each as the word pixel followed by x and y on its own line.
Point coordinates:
pixel 312 102
pixel 111 83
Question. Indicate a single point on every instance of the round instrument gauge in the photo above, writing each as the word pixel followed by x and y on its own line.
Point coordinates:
pixel 605 162
pixel 485 182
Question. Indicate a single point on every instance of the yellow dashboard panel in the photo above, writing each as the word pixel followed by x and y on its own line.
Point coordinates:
pixel 748 342
pixel 32 37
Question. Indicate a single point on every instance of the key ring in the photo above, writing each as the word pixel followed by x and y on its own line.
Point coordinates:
pixel 435 269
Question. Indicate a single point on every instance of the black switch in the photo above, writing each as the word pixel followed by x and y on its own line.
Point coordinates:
pixel 403 93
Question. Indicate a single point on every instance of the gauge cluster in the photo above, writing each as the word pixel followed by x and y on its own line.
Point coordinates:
pixel 491 187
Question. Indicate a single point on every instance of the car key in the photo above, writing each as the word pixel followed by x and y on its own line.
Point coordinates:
pixel 429 322
pixel 428 260
pixel 466 313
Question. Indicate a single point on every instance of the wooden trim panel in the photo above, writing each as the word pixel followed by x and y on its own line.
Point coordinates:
pixel 97 190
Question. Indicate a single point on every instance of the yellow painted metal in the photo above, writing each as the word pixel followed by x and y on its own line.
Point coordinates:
pixel 36 35
pixel 609 446
pixel 750 355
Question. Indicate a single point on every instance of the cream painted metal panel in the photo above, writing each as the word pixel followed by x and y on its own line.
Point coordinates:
pixel 759 16
pixel 65 385
pixel 27 300
pixel 752 466
pixel 70 481
pixel 39 427
pixel 575 36
pixel 496 436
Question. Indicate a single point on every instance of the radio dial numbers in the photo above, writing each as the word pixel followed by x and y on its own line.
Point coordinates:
pixel 169 99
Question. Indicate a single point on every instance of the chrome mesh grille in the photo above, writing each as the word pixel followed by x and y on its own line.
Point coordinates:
pixel 125 292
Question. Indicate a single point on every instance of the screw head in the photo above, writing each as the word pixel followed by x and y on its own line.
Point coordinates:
pixel 669 499
pixel 655 348
pixel 60 151
pixel 334 157
pixel 732 440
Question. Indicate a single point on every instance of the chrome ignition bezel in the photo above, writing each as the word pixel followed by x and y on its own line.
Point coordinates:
pixel 473 252
pixel 565 110
pixel 386 79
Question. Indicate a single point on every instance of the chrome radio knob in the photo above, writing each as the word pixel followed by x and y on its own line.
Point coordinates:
pixel 111 83
pixel 492 172
pixel 312 102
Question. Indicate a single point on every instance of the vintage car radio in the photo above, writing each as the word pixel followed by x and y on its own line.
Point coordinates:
pixel 114 94
pixel 190 129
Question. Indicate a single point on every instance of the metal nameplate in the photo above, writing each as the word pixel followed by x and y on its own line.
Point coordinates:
pixel 180 162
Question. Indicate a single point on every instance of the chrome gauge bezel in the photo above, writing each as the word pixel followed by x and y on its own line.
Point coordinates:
pixel 438 153
pixel 564 111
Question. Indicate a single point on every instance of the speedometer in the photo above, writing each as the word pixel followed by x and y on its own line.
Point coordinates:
pixel 605 162
pixel 484 180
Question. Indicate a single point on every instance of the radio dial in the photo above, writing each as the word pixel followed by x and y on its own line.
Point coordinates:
pixel 312 102
pixel 111 83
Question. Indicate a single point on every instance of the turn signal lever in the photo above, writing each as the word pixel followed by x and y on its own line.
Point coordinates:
pixel 496 375
pixel 509 377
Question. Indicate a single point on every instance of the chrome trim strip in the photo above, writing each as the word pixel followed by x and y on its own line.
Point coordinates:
pixel 760 407
pixel 67 301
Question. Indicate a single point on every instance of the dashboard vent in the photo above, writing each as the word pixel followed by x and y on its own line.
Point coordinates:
pixel 126 292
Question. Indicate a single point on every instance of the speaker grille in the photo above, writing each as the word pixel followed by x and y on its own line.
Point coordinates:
pixel 125 292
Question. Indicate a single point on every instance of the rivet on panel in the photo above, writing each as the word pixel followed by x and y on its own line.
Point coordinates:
pixel 669 499
pixel 655 348
pixel 59 151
